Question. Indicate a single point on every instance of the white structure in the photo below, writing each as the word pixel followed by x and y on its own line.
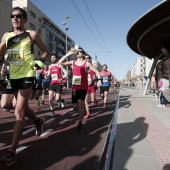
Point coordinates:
pixel 141 67
pixel 52 36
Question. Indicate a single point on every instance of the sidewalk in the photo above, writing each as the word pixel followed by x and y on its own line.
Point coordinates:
pixel 143 133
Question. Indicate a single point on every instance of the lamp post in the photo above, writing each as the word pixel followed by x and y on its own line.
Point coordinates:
pixel 66 28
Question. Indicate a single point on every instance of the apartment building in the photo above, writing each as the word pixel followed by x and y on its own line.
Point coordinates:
pixel 53 37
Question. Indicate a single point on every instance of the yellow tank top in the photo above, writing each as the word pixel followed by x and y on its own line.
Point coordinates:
pixel 20 55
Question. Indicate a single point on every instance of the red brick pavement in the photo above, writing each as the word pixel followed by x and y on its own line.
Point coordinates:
pixel 157 133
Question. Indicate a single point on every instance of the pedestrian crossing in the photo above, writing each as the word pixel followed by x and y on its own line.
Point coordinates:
pixel 44 134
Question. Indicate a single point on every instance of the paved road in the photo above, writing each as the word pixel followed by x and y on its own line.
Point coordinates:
pixel 60 146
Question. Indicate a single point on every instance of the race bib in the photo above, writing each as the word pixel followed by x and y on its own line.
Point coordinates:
pixel 105 79
pixel 16 57
pixel 76 80
pixel 54 76
pixel 89 78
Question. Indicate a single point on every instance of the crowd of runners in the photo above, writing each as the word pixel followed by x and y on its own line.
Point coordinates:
pixel 24 78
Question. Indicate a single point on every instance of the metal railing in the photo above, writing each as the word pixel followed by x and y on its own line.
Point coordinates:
pixel 106 160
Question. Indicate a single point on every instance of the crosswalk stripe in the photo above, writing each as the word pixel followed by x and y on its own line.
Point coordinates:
pixel 21 148
pixel 2 144
pixel 74 114
pixel 63 113
pixel 46 132
pixel 62 122
pixel 50 120
pixel 29 130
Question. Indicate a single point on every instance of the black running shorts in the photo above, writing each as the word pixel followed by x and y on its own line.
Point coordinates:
pixel 22 83
pixel 57 88
pixel 78 94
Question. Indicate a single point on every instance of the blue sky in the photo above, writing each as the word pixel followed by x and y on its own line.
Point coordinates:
pixel 113 20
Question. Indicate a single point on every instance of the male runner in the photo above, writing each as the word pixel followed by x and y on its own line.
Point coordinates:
pixel 80 68
pixel 106 78
pixel 19 46
pixel 55 89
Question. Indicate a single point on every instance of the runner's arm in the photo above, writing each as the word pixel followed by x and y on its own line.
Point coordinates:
pixel 64 71
pixel 37 40
pixel 62 59
pixel 3 47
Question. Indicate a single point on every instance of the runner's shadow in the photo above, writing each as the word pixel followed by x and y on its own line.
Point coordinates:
pixel 166 167
pixel 128 134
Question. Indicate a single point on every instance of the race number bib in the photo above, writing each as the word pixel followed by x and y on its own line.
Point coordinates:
pixel 76 80
pixel 16 57
pixel 54 76
pixel 105 79
pixel 89 78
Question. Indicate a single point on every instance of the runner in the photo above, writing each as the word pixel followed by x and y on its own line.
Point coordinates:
pixel 106 78
pixel 79 81
pixel 8 100
pixel 37 87
pixel 55 89
pixel 46 83
pixel 19 47
pixel 92 87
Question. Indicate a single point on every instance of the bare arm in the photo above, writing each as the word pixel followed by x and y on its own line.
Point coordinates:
pixel 90 66
pixel 37 40
pixel 67 63
pixel 64 71
pixel 3 46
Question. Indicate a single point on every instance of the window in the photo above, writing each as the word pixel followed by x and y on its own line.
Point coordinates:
pixel 32 26
pixel 39 30
pixel 39 20
pixel 39 53
pixel 32 14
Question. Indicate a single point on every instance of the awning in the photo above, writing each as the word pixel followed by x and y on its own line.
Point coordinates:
pixel 151 32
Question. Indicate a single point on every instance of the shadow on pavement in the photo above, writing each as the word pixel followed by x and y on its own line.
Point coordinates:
pixel 127 135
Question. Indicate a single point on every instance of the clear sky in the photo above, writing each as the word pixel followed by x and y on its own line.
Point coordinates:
pixel 100 25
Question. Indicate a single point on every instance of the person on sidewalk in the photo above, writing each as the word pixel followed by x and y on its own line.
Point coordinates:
pixel 19 47
pixel 55 89
pixel 163 85
pixel 92 87
pixel 80 67
pixel 106 78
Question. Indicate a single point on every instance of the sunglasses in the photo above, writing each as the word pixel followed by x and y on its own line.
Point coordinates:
pixel 16 15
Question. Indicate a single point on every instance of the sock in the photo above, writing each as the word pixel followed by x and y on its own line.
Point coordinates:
pixel 38 103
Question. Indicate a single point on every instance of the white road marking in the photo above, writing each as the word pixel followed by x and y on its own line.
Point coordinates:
pixel 63 113
pixel 46 132
pixel 50 120
pixel 29 130
pixel 74 114
pixel 71 109
pixel 2 144
pixel 62 122
pixel 21 148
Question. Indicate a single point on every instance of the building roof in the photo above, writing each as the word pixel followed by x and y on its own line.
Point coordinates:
pixel 151 32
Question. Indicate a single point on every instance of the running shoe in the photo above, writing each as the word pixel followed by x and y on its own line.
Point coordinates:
pixel 104 106
pixel 52 114
pixel 39 126
pixel 80 128
pixel 6 110
pixel 62 104
pixel 9 158
pixel 87 116
pixel 42 102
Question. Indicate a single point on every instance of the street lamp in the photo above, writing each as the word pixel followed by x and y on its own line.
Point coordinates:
pixel 66 28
